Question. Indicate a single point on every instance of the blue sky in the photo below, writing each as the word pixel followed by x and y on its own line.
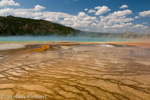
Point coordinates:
pixel 112 16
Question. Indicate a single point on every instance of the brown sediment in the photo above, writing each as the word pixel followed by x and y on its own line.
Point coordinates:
pixel 42 48
pixel 78 72
pixel 137 44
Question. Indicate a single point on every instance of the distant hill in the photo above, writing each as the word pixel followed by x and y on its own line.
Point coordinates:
pixel 11 26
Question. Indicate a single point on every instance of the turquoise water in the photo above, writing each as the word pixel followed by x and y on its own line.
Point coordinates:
pixel 55 38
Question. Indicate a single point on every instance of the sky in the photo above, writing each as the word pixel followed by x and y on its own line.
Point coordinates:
pixel 112 16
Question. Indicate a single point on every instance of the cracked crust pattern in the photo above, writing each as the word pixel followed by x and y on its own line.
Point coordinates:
pixel 76 72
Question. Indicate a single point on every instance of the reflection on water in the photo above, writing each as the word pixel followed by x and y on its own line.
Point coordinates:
pixel 76 72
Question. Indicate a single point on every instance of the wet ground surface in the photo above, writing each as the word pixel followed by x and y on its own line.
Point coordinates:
pixel 75 72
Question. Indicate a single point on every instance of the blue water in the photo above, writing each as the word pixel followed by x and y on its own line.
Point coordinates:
pixel 55 38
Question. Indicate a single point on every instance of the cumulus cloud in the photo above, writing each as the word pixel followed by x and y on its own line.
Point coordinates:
pixel 139 26
pixel 116 21
pixel 123 7
pixel 121 25
pixel 122 13
pixel 35 13
pixel 81 14
pixel 136 17
pixel 98 7
pixel 6 11
pixel 117 17
pixel 91 11
pixel 145 13
pixel 101 10
pixel 38 8
pixel 4 3
pixel 86 9
pixel 81 21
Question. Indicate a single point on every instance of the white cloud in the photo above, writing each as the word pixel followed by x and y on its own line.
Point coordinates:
pixel 6 11
pixel 139 26
pixel 4 3
pixel 80 21
pixel 136 17
pixel 121 25
pixel 32 13
pixel 116 21
pixel 91 11
pixel 38 8
pixel 54 19
pixel 86 9
pixel 117 17
pixel 102 10
pixel 98 7
pixel 122 13
pixel 123 7
pixel 145 13
pixel 81 14
pixel 89 18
